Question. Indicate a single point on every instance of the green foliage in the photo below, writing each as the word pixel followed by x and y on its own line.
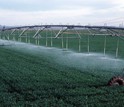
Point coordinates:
pixel 31 81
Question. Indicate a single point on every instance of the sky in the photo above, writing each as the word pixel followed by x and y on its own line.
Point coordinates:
pixel 76 12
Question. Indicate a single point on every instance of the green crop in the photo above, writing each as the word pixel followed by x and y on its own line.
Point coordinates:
pixel 29 80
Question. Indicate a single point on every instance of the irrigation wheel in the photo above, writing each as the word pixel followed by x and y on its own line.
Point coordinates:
pixel 116 80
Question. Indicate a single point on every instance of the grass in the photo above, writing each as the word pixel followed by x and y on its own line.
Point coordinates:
pixel 28 80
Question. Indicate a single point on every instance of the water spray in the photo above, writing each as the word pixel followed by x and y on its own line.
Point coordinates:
pixel 69 59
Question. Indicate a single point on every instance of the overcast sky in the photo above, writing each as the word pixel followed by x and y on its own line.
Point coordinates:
pixel 32 12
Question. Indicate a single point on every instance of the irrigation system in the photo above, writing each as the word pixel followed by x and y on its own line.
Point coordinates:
pixel 21 31
pixel 61 32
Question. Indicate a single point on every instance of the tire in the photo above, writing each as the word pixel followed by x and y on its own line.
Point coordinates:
pixel 116 81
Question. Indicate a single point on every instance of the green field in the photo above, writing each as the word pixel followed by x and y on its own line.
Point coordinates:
pixel 38 80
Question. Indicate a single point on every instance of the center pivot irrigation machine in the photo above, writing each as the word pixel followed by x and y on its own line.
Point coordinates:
pixel 65 33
